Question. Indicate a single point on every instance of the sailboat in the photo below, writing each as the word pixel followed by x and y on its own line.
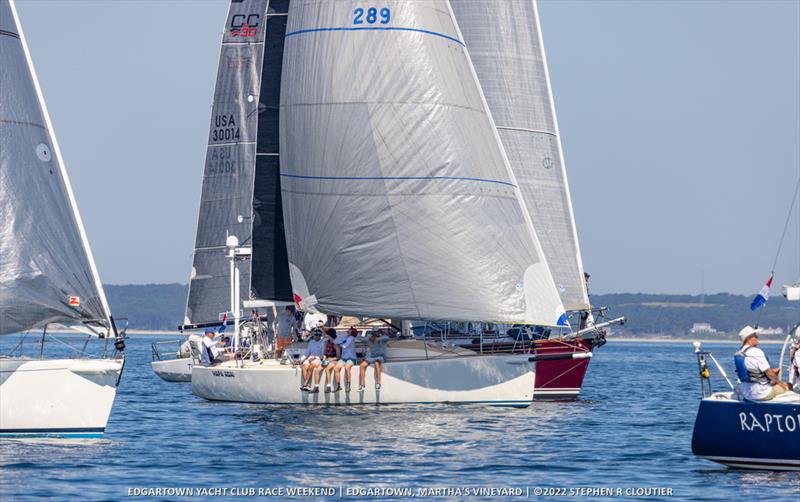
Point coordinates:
pixel 47 273
pixel 395 193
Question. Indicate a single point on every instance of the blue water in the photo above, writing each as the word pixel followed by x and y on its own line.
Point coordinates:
pixel 630 429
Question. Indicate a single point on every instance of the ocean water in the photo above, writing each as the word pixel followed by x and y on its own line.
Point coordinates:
pixel 630 430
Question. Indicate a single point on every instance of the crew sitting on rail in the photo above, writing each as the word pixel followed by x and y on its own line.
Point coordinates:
pixel 760 381
pixel 211 349
pixel 312 361
pixel 347 360
pixel 376 355
pixel 330 357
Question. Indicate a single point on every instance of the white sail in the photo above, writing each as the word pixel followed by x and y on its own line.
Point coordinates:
pixel 512 69
pixel 398 199
pixel 47 273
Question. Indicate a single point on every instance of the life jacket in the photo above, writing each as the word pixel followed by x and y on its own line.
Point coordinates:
pixel 745 374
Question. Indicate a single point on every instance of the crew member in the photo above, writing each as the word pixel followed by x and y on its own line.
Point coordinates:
pixel 211 348
pixel 759 379
pixel 312 362
pixel 329 359
pixel 348 359
pixel 376 355
pixel 794 364
pixel 284 326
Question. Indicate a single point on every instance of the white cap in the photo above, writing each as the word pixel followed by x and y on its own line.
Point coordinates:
pixel 747 332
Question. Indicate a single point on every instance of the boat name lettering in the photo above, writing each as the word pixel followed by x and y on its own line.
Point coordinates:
pixel 769 422
pixel 228 374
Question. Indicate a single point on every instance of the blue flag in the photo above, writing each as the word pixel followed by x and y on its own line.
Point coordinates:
pixel 761 298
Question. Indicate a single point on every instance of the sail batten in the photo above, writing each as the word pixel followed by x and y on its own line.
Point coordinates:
pixel 512 70
pixel 397 198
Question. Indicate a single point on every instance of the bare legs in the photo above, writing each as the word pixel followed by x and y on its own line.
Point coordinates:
pixel 347 376
pixel 362 373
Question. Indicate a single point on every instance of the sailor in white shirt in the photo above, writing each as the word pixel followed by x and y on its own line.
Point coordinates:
pixel 348 359
pixel 312 361
pixel 211 348
pixel 760 381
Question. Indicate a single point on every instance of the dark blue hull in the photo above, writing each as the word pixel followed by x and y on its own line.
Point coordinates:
pixel 748 435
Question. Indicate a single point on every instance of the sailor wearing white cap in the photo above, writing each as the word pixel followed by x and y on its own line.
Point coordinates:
pixel 759 379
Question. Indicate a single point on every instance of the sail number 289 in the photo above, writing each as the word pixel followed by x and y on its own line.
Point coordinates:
pixel 371 15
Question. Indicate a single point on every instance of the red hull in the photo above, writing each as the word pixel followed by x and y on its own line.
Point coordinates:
pixel 560 379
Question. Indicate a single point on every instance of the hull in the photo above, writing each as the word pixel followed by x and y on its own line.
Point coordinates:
pixel 57 397
pixel 174 370
pixel 749 435
pixel 560 369
pixel 502 380
pixel 561 365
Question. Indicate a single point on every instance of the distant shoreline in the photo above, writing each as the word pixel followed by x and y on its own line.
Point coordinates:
pixel 685 340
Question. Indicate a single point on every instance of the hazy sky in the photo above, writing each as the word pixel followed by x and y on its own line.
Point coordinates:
pixel 680 122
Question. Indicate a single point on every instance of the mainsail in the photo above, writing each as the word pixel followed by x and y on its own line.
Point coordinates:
pixel 512 70
pixel 47 273
pixel 240 194
pixel 398 199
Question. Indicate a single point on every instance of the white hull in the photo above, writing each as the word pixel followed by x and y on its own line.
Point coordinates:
pixel 503 380
pixel 57 397
pixel 174 370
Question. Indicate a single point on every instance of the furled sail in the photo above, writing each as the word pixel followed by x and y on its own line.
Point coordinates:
pixel 398 200
pixel 47 273
pixel 512 69
pixel 226 202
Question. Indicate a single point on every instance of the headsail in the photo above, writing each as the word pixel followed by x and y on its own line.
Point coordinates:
pixel 397 196
pixel 47 273
pixel 512 70
pixel 226 205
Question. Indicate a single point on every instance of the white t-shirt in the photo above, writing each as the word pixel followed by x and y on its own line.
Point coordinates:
pixel 311 321
pixel 210 343
pixel 755 359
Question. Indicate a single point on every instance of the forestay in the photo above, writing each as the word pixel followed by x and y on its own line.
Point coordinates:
pixel 505 44
pixel 47 273
pixel 397 196
pixel 226 205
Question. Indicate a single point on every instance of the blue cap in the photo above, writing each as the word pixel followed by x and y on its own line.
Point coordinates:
pixel 210 330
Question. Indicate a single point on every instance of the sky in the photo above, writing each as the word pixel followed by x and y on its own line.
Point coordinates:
pixel 680 122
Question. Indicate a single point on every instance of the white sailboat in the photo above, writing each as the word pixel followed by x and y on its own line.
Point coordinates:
pixel 397 196
pixel 47 273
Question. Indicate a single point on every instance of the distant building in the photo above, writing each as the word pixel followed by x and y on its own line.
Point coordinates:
pixel 703 328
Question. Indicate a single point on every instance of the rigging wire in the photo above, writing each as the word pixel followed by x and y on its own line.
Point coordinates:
pixel 780 243
pixel 786 224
